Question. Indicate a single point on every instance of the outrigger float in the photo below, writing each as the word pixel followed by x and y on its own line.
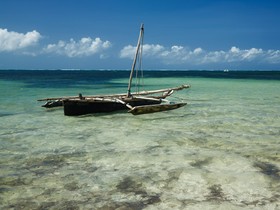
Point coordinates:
pixel 136 103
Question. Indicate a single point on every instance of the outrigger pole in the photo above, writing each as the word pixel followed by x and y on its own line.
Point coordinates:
pixel 135 59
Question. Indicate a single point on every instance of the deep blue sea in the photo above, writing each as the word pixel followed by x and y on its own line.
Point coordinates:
pixel 221 151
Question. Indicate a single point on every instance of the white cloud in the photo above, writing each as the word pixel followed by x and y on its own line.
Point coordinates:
pixel 273 56
pixel 11 41
pixel 128 52
pixel 252 53
pixel 152 50
pixel 197 51
pixel 84 47
pixel 148 50
pixel 182 55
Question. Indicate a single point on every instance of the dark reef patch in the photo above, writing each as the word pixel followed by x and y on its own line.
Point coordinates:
pixel 133 205
pixel 72 186
pixel 89 169
pixel 200 163
pixel 46 205
pixel 13 181
pixel 24 204
pixel 268 169
pixel 68 205
pixel 129 186
pixel 44 165
pixel 50 160
pixel 216 193
pixel 50 163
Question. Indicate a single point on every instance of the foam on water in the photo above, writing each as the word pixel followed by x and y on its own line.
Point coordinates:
pixel 221 151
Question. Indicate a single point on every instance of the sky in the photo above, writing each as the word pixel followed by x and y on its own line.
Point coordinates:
pixel 102 34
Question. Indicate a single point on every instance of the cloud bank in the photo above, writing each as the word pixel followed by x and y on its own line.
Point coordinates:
pixel 182 55
pixel 175 55
pixel 12 41
pixel 83 47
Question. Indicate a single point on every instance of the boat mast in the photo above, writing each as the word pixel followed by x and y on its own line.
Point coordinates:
pixel 135 59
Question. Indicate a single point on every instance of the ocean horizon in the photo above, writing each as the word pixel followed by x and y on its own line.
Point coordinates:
pixel 220 151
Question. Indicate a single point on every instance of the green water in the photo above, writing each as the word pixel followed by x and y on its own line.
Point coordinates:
pixel 221 151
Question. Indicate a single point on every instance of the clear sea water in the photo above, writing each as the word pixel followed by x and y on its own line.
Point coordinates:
pixel 221 151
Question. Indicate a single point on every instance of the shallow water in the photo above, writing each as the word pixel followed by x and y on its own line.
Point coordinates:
pixel 221 151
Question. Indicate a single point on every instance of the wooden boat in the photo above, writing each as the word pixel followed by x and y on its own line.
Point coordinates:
pixel 136 103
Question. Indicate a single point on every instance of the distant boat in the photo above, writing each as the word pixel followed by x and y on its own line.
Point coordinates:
pixel 136 103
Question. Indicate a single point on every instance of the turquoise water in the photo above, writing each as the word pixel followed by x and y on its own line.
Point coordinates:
pixel 221 151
